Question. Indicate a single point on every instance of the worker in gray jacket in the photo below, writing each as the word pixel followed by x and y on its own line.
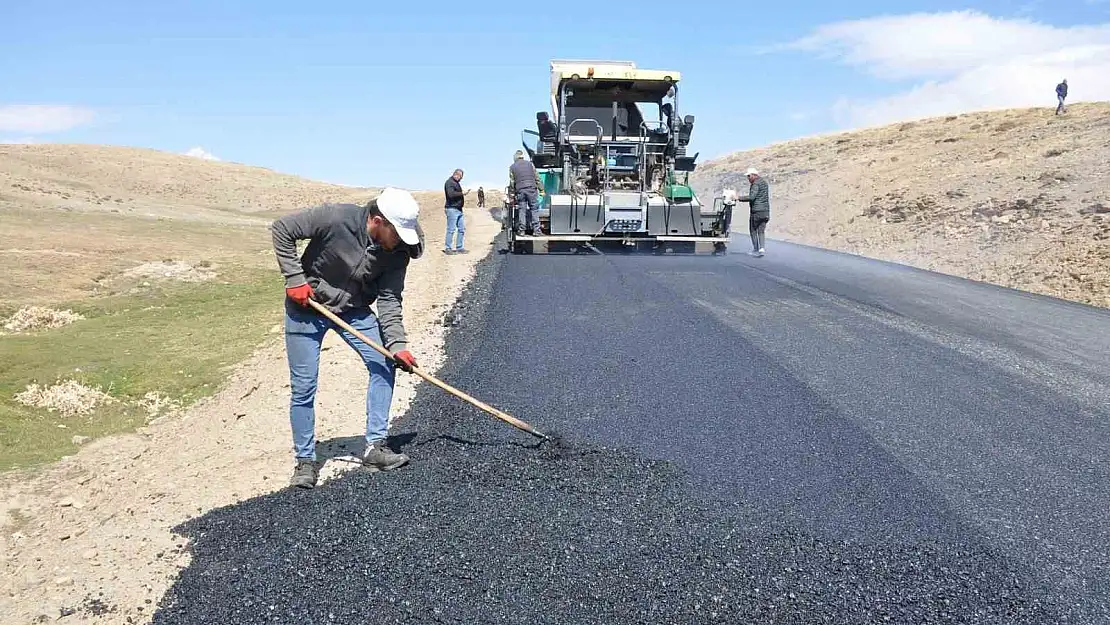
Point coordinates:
pixel 524 186
pixel 356 256
pixel 759 199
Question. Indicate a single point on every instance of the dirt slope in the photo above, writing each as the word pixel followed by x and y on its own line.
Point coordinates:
pixel 88 539
pixel 1016 197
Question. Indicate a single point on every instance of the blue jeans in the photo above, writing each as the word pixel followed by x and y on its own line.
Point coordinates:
pixel 454 224
pixel 528 211
pixel 304 334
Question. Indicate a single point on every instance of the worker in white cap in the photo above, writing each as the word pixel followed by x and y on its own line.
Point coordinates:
pixel 759 200
pixel 356 256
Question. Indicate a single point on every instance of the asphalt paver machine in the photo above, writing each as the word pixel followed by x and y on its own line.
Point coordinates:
pixel 612 159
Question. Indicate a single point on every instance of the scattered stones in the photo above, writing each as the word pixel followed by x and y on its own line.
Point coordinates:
pixel 31 318
pixel 172 270
pixel 70 398
pixel 155 404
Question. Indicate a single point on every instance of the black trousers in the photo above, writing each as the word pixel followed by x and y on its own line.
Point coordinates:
pixel 757 223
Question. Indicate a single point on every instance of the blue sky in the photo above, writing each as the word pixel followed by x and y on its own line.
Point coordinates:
pixel 401 93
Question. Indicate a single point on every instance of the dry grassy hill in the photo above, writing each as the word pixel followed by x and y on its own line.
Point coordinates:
pixel 146 182
pixel 75 219
pixel 1016 197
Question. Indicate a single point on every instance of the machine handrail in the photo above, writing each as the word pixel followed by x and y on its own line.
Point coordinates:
pixel 645 125
pixel 598 135
pixel 642 148
pixel 645 140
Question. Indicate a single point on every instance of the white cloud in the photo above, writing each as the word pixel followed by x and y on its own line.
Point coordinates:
pixel 43 118
pixel 962 61
pixel 18 141
pixel 199 152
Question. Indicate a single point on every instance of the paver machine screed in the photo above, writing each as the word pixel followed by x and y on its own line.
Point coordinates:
pixel 613 165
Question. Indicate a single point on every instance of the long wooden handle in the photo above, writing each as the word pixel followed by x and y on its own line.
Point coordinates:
pixel 511 420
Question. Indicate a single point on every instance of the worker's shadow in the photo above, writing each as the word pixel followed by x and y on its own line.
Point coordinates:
pixel 347 448
pixel 344 447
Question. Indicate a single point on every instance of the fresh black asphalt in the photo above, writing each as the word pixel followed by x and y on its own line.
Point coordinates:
pixel 807 437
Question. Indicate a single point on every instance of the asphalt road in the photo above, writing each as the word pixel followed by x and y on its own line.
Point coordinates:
pixel 806 437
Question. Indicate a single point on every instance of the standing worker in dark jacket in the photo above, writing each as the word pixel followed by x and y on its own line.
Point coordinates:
pixel 356 256
pixel 453 206
pixel 759 198
pixel 1061 95
pixel 481 197
pixel 524 186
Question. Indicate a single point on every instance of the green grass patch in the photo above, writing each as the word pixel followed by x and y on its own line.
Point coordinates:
pixel 178 340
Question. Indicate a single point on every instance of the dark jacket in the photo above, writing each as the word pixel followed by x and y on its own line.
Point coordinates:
pixel 760 197
pixel 523 176
pixel 345 268
pixel 1062 90
pixel 454 197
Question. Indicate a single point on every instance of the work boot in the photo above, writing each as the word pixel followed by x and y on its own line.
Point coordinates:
pixel 304 476
pixel 379 457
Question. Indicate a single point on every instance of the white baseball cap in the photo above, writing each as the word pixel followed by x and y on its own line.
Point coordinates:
pixel 752 170
pixel 401 209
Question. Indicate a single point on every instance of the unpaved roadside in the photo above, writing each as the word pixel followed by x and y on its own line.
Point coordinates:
pixel 89 539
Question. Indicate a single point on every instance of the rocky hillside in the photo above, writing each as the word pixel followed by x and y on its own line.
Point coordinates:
pixel 1016 197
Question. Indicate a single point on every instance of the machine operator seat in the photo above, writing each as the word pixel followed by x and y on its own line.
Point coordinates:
pixel 549 132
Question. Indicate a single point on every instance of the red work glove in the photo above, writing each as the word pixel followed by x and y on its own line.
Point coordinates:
pixel 405 360
pixel 300 294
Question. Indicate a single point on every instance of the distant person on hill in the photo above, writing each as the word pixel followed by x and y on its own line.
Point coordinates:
pixel 481 197
pixel 1061 95
pixel 524 185
pixel 759 198
pixel 454 198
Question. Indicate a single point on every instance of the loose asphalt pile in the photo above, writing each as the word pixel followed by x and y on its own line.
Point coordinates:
pixel 487 525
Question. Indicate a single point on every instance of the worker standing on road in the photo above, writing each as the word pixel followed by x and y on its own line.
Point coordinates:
pixel 759 198
pixel 524 186
pixel 356 256
pixel 481 197
pixel 454 198
pixel 1061 95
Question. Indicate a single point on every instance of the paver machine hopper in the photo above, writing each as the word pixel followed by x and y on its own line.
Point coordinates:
pixel 612 158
